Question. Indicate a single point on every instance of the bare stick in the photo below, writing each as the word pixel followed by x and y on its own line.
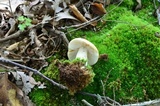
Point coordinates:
pixel 104 97
pixel 15 35
pixel 155 102
pixel 154 2
pixel 10 6
pixel 2 60
pixel 86 103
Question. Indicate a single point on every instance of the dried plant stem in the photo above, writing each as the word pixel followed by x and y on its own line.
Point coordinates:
pixel 6 61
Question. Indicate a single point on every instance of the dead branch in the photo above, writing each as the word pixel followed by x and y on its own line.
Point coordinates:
pixel 13 36
pixel 103 97
pixel 86 103
pixel 155 102
pixel 6 61
pixel 18 33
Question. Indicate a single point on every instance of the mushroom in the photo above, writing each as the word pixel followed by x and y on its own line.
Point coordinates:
pixel 84 50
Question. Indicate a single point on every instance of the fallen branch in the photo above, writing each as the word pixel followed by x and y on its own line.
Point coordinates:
pixel 13 36
pixel 155 102
pixel 86 103
pixel 18 33
pixel 6 61
pixel 103 97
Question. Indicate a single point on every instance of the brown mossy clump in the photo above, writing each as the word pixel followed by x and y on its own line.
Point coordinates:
pixel 75 75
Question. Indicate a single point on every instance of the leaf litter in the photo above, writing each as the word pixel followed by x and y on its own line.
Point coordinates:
pixel 31 31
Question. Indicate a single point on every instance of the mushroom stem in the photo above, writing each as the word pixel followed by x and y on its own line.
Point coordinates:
pixel 82 53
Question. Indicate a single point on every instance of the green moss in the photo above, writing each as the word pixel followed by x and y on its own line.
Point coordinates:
pixel 132 68
pixel 50 96
pixel 134 53
pixel 52 70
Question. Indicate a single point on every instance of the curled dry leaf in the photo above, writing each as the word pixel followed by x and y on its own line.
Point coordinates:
pixel 98 9
pixel 46 19
pixel 64 15
pixel 13 46
pixel 26 11
pixel 28 82
pixel 77 13
pixel 8 92
pixel 15 4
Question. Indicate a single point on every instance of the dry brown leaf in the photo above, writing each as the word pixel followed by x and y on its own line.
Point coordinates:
pixel 14 101
pixel 64 15
pixel 98 9
pixel 13 46
pixel 8 92
pixel 77 13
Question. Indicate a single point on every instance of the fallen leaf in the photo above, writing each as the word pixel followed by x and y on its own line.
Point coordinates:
pixel 77 13
pixel 46 19
pixel 64 15
pixel 13 100
pixel 98 9
pixel 28 82
pixel 8 92
pixel 15 4
pixel 13 46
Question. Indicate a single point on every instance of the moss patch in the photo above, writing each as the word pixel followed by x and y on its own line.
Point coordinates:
pixel 130 70
pixel 134 55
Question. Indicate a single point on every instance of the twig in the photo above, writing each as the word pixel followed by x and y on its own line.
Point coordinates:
pixel 13 36
pixel 154 3
pixel 86 103
pixel 2 60
pixel 114 96
pixel 116 6
pixel 81 25
pixel 104 97
pixel 146 103
pixel 10 6
pixel 19 33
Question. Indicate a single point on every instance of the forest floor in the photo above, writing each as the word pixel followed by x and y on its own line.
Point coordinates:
pixel 34 39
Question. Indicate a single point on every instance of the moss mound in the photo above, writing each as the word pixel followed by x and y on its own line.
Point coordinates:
pixel 75 75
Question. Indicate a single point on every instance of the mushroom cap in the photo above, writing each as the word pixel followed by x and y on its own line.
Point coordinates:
pixel 76 44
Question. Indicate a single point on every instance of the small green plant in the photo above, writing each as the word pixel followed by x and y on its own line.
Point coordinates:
pixel 24 22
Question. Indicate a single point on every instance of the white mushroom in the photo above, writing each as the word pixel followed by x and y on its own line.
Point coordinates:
pixel 83 49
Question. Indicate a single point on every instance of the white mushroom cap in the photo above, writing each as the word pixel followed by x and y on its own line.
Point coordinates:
pixel 83 49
